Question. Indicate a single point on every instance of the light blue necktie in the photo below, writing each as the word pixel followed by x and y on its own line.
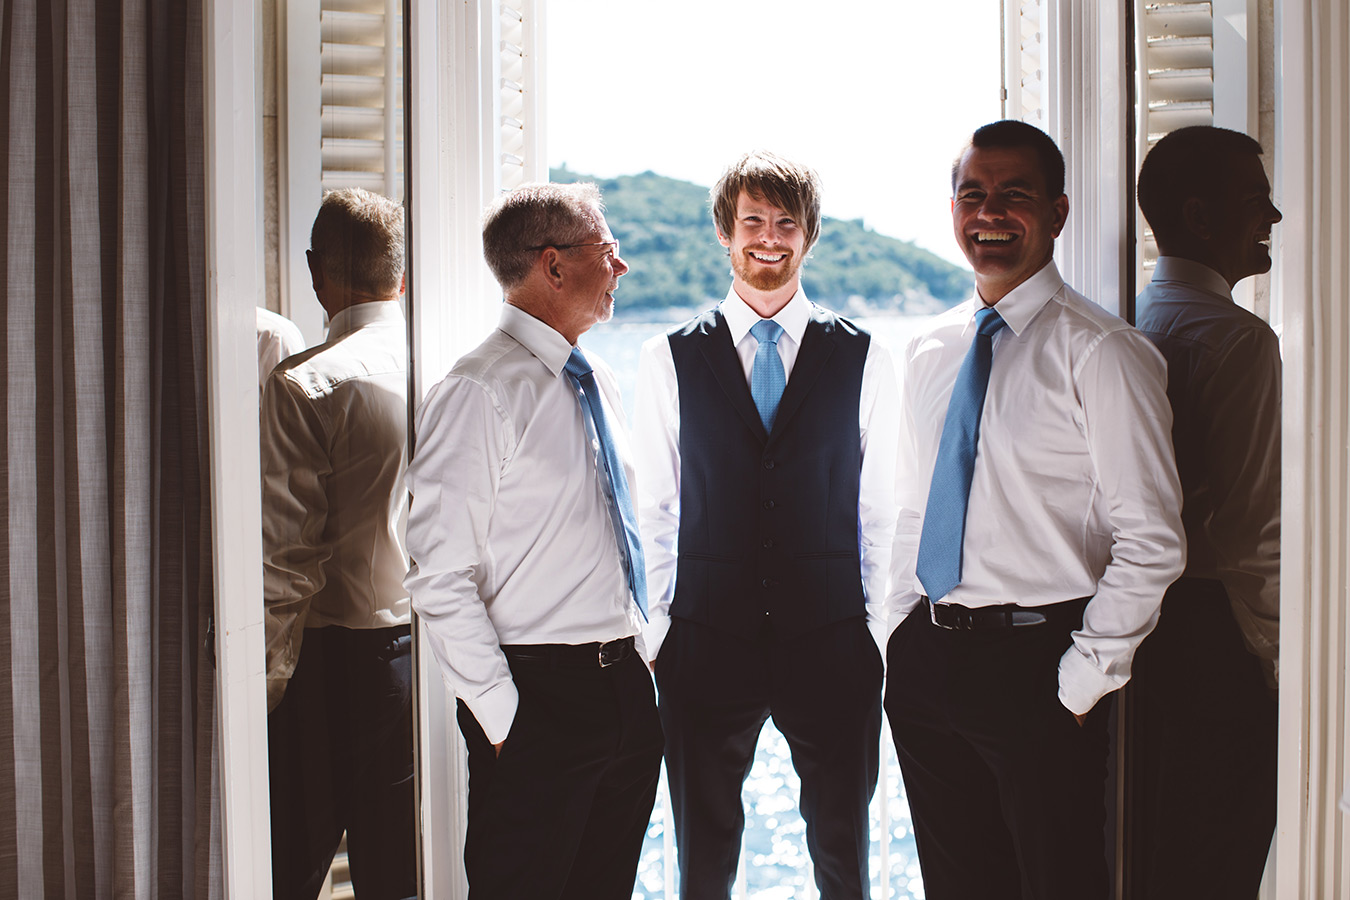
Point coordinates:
pixel 944 520
pixel 766 377
pixel 621 513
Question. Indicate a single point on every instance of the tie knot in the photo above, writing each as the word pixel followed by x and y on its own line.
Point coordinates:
pixel 988 321
pixel 766 331
pixel 577 366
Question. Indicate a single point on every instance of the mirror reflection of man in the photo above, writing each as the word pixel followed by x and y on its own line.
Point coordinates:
pixel 1203 711
pixel 527 571
pixel 339 677
pixel 1038 530
pixel 766 433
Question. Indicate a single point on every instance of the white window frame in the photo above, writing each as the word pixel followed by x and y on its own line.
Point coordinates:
pixel 468 152
pixel 233 113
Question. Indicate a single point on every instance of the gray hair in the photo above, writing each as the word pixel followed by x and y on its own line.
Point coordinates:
pixel 531 216
pixel 358 240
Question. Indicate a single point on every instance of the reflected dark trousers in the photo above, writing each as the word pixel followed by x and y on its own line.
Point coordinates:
pixel 1005 789
pixel 563 811
pixel 1202 754
pixel 823 690
pixel 340 753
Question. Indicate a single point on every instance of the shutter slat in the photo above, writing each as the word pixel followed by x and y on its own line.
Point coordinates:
pixel 355 124
pixel 353 90
pixel 352 28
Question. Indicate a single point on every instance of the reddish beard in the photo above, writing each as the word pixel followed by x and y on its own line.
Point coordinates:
pixel 764 279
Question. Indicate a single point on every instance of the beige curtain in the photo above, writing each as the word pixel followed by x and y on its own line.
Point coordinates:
pixel 107 750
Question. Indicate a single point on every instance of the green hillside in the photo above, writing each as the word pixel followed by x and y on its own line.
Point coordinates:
pixel 668 239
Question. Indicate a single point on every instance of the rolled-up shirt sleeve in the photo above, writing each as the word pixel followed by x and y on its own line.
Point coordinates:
pixel 879 432
pixel 656 452
pixel 463 441
pixel 1128 425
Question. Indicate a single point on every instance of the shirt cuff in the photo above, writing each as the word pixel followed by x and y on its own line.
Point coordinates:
pixel 654 635
pixel 1081 684
pixel 496 710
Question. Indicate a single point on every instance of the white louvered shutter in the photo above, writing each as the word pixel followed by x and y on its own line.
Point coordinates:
pixel 361 63
pixel 1196 67
pixel 1026 56
pixel 341 122
pixel 1176 86
pixel 514 88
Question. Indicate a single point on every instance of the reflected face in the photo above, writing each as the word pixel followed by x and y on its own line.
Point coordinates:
pixel 1003 217
pixel 766 245
pixel 1240 228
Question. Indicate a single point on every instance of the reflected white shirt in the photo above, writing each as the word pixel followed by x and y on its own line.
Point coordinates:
pixel 334 449
pixel 1075 491
pixel 278 338
pixel 510 534
pixel 1229 438
pixel 656 441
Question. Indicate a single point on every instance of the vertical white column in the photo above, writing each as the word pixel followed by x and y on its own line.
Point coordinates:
pixel 234 284
pixel 1312 276
pixel 1089 120
pixel 300 162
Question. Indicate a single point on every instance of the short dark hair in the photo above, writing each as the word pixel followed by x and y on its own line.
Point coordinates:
pixel 357 238
pixel 536 215
pixel 1196 161
pixel 1012 133
pixel 790 186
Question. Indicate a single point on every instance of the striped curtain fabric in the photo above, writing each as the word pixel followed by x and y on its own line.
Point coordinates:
pixel 107 746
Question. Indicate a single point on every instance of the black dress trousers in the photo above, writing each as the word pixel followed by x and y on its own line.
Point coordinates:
pixel 341 758
pixel 561 813
pixel 823 690
pixel 1006 790
pixel 1202 736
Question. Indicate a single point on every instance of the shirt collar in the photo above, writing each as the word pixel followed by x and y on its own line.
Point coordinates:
pixel 547 345
pixel 793 317
pixel 1020 305
pixel 359 315
pixel 1192 274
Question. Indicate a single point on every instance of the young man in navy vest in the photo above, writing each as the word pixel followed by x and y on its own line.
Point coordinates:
pixel 765 441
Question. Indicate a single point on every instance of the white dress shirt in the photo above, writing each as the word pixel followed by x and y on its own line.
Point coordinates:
pixel 334 450
pixel 656 441
pixel 1075 490
pixel 278 338
pixel 510 532
pixel 1230 438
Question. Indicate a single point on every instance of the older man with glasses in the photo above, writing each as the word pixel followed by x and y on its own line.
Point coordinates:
pixel 527 571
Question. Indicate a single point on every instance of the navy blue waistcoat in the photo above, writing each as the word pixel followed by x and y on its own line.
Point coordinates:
pixel 769 522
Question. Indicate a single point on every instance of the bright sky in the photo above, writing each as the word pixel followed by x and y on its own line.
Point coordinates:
pixel 876 95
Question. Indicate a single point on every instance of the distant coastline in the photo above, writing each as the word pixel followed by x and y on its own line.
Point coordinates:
pixel 679 269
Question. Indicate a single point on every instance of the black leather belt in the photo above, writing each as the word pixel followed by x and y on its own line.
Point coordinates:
pixel 588 656
pixel 997 618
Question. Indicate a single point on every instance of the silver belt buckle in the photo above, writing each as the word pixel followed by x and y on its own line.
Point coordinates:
pixel 611 652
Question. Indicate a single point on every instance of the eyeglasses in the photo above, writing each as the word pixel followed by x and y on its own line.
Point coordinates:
pixel 615 244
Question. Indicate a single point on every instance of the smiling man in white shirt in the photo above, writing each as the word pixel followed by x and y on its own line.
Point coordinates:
pixel 527 571
pixel 765 432
pixel 1203 720
pixel 1038 530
